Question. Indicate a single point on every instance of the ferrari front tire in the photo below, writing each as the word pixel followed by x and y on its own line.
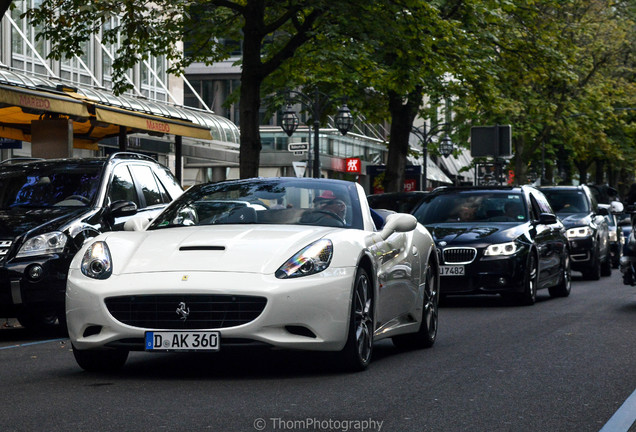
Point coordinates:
pixel 356 354
pixel 100 360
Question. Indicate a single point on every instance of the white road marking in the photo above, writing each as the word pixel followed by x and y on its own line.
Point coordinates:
pixel 624 418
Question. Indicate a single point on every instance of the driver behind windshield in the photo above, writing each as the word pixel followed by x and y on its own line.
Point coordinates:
pixel 328 201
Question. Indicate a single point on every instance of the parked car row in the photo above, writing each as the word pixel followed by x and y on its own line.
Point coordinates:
pixel 284 263
pixel 115 248
pixel 516 240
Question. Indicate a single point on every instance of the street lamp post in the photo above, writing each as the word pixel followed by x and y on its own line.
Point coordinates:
pixel 445 145
pixel 318 103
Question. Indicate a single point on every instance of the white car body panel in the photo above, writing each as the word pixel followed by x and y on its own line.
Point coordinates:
pixel 244 263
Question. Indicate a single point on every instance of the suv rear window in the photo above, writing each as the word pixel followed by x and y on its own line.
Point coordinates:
pixel 48 185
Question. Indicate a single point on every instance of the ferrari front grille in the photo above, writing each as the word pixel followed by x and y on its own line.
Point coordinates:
pixel 459 255
pixel 185 311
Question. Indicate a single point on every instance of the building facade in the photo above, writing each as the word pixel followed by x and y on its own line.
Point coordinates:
pixel 74 98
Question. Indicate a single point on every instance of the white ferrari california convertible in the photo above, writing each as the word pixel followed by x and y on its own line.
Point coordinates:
pixel 282 262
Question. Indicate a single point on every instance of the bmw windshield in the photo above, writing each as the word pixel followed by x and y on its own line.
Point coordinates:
pixel 472 206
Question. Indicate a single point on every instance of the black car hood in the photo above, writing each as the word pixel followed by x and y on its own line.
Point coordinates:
pixel 465 233
pixel 575 219
pixel 18 221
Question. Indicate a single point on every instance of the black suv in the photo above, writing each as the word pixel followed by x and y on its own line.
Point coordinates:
pixel 587 229
pixel 49 208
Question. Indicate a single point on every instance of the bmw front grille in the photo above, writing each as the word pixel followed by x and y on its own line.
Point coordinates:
pixel 459 255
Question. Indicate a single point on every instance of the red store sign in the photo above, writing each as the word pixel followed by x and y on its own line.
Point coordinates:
pixel 354 165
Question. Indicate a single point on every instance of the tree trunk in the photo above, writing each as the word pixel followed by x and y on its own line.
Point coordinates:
pixel 599 172
pixel 402 117
pixel 250 150
pixel 582 167
pixel 250 103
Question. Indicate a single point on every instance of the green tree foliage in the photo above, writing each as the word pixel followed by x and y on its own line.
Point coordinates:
pixel 562 67
pixel 561 72
pixel 270 32
pixel 403 53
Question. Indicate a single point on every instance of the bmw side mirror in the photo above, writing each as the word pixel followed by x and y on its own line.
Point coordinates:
pixel 398 222
pixel 547 219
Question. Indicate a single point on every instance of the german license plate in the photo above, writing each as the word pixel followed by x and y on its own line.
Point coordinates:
pixel 451 270
pixel 182 340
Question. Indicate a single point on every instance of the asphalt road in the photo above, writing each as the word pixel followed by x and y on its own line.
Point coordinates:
pixel 564 364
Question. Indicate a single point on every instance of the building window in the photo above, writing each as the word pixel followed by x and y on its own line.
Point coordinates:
pixel 23 57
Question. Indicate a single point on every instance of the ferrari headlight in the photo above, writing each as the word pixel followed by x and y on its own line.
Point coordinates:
pixel 579 232
pixel 311 260
pixel 97 263
pixel 43 244
pixel 501 249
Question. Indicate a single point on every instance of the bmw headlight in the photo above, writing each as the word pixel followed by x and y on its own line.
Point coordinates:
pixel 579 232
pixel 97 263
pixel 310 260
pixel 43 244
pixel 501 249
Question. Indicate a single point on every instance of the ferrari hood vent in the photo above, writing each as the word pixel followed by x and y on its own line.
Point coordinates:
pixel 202 248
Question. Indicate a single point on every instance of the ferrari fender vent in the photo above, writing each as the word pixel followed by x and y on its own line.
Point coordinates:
pixel 185 311
pixel 459 255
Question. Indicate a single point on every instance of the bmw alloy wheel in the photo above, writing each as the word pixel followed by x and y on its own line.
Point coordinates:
pixel 529 294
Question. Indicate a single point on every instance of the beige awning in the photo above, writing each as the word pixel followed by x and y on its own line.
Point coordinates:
pixel 99 114
pixel 150 123
pixel 37 102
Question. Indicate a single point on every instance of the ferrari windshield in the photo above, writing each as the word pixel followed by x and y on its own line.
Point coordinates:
pixel 266 201
pixel 472 206
pixel 48 184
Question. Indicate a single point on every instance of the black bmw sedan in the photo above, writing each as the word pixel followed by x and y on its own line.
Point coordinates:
pixel 587 229
pixel 503 240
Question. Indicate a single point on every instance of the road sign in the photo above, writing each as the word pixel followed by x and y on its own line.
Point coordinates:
pixel 495 141
pixel 299 168
pixel 298 147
